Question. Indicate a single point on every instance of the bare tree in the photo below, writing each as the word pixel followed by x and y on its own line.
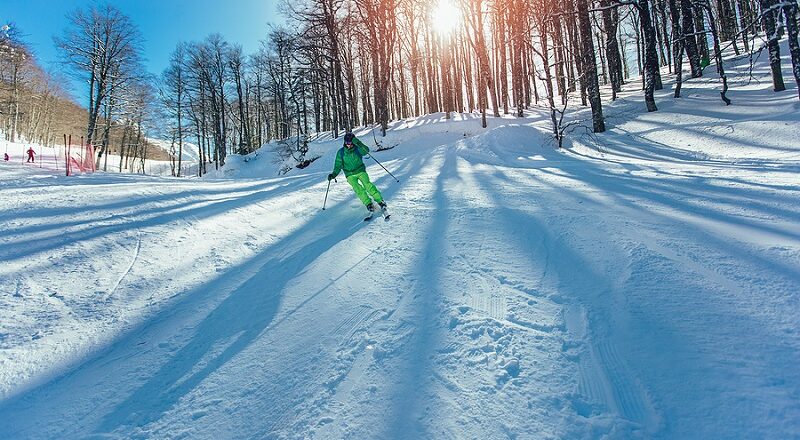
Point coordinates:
pixel 610 26
pixel 101 45
pixel 473 11
pixel 381 32
pixel 236 64
pixel 174 95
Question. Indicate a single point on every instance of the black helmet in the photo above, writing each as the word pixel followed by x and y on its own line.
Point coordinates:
pixel 348 138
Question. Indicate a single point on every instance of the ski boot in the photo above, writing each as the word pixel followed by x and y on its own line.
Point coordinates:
pixel 384 211
pixel 371 209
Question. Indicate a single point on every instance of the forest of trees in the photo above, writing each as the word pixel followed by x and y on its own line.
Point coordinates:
pixel 33 104
pixel 35 107
pixel 340 64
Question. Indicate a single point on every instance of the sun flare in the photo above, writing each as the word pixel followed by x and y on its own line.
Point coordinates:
pixel 445 17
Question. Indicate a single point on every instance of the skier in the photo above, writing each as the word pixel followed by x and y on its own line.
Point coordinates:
pixel 31 153
pixel 6 157
pixel 350 158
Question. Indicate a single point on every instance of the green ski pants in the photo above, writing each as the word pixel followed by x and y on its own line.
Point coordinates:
pixel 364 188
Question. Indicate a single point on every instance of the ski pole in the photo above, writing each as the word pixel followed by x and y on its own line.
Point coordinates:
pixel 326 195
pixel 384 168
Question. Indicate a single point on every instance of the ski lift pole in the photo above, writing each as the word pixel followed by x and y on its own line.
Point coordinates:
pixel 384 168
pixel 326 195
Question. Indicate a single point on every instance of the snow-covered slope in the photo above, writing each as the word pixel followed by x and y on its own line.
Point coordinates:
pixel 190 152
pixel 52 159
pixel 643 283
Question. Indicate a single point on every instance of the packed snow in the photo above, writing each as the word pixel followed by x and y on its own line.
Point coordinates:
pixel 642 283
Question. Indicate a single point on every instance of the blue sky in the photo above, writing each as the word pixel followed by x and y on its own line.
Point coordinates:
pixel 162 22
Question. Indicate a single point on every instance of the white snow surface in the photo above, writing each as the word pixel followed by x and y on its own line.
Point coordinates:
pixel 642 283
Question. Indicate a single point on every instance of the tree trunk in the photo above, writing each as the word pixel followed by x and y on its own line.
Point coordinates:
pixel 743 23
pixel 122 147
pixel 589 66
pixel 662 8
pixel 548 81
pixel 575 47
pixel 651 57
pixel 679 73
pixel 660 38
pixel 702 40
pixel 677 38
pixel 626 71
pixel 689 39
pixel 791 14
pixel 558 53
pixel 15 100
pixel 180 130
pixel 244 135
pixel 769 18
pixel 501 55
pixel 610 25
pixel 718 55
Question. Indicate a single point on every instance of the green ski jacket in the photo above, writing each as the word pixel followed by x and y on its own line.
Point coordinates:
pixel 351 161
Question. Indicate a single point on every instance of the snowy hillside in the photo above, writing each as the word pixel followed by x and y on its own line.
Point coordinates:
pixel 644 283
pixel 52 159
pixel 190 152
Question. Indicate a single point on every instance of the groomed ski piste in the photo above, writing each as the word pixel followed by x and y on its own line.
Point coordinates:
pixel 643 283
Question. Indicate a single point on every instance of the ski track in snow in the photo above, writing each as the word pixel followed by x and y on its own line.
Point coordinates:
pixel 647 290
pixel 130 266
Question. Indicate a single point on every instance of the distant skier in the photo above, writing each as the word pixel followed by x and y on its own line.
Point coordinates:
pixel 350 159
pixel 31 155
pixel 6 157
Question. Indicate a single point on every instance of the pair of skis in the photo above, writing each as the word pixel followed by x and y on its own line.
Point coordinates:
pixel 383 212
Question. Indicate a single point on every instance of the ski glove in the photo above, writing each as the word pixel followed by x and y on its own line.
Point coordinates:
pixel 331 176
